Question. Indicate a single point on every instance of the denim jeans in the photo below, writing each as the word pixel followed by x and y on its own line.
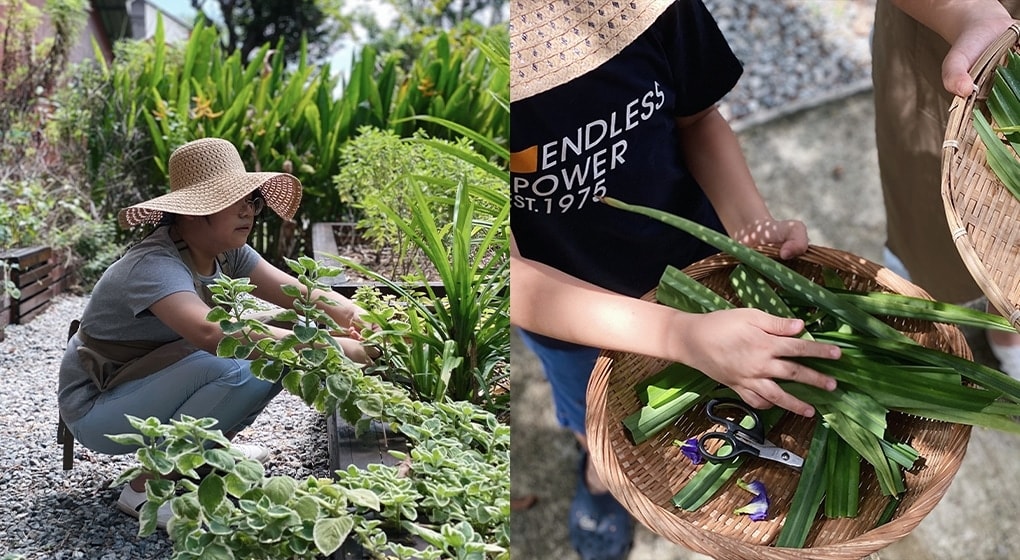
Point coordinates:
pixel 200 385
pixel 567 367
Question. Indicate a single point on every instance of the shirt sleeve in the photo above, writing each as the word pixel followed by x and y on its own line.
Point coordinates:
pixel 241 262
pixel 704 66
pixel 154 277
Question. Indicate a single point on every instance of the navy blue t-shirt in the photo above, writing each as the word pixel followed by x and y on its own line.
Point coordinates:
pixel 612 132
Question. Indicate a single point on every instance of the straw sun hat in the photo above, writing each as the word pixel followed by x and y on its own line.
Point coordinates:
pixel 555 41
pixel 206 176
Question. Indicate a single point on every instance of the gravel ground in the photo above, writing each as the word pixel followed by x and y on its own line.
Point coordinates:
pixel 796 53
pixel 55 514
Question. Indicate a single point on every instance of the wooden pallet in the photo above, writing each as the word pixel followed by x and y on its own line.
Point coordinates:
pixel 40 274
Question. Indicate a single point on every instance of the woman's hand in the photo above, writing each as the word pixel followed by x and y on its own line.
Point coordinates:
pixel 978 32
pixel 367 353
pixel 790 235
pixel 355 350
pixel 970 26
pixel 748 350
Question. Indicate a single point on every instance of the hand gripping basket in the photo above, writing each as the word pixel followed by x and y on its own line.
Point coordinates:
pixel 983 216
pixel 645 477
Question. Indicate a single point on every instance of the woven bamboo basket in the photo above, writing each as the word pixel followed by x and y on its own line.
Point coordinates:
pixel 983 216
pixel 645 477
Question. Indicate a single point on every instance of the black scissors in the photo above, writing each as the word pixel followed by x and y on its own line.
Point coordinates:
pixel 750 440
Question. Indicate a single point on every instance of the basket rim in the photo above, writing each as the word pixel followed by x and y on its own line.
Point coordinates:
pixel 661 521
pixel 961 224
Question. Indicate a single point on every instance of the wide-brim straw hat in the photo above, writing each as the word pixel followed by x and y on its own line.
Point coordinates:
pixel 555 41
pixel 206 176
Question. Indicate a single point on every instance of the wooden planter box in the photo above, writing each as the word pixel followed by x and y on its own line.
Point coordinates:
pixel 324 244
pixel 40 275
pixel 347 449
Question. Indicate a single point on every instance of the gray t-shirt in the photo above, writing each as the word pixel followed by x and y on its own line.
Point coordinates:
pixel 119 307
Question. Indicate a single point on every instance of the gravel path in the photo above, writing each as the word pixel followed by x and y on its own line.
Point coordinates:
pixel 52 514
pixel 796 53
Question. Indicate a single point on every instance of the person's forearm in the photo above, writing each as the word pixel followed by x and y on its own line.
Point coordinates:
pixel 969 26
pixel 342 310
pixel 546 301
pixel 714 156
pixel 949 18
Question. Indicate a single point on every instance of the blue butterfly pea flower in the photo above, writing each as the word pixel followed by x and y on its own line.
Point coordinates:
pixel 758 507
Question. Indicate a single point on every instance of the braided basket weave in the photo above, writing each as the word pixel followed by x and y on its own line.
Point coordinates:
pixel 983 216
pixel 645 477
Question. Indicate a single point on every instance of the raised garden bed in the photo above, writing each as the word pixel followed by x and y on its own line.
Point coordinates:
pixel 346 449
pixel 40 274
pixel 343 239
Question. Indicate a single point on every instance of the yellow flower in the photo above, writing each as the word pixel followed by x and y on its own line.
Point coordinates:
pixel 203 108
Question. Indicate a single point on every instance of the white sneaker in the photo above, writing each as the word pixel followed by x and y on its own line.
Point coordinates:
pixel 252 451
pixel 131 502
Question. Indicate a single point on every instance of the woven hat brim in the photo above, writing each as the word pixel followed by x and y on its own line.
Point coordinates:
pixel 553 42
pixel 281 191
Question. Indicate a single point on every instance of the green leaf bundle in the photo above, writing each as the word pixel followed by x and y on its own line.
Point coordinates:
pixel 880 370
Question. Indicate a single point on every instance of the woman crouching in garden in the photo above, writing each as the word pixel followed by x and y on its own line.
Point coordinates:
pixel 144 347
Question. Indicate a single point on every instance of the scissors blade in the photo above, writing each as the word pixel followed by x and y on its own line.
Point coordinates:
pixel 780 455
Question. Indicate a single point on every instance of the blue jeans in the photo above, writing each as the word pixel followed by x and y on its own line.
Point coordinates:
pixel 568 367
pixel 201 385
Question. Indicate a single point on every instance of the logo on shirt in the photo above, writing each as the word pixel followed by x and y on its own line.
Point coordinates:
pixel 569 172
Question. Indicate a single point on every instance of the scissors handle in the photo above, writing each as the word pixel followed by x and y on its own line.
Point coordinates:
pixel 736 446
pixel 736 423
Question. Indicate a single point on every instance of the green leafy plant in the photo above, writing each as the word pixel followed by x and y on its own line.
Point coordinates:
pixel 309 362
pixel 7 287
pixel 451 489
pixel 1004 107
pixel 376 170
pixel 29 67
pixel 24 206
pixel 452 80
pixel 455 344
pixel 269 518
pixel 94 124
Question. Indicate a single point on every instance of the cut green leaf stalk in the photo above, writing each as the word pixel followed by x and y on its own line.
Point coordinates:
pixel 682 292
pixel 889 511
pixel 809 493
pixel 778 273
pixel 980 374
pixel 1000 159
pixel 907 307
pixel 673 381
pixel 843 478
pixel 707 482
pixel 649 420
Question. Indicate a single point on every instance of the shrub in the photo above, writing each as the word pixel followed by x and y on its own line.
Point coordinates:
pixel 377 169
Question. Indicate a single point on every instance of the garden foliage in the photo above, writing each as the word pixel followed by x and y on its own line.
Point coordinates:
pixel 451 488
pixel 293 118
